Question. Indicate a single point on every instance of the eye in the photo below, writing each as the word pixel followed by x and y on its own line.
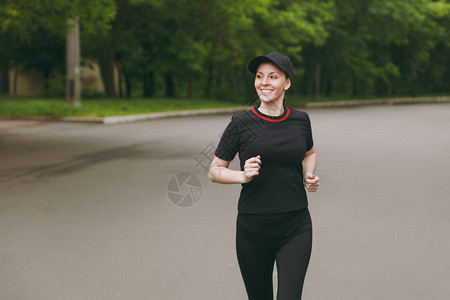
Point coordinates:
pixel 258 76
pixel 273 77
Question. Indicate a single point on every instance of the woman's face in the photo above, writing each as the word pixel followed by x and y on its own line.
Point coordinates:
pixel 271 83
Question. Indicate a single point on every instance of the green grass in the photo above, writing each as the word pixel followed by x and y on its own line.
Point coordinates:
pixel 20 107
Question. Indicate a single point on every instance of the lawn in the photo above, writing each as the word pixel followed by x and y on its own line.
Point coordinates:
pixel 20 107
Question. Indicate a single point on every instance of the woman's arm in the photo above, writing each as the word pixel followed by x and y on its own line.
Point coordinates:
pixel 219 172
pixel 309 167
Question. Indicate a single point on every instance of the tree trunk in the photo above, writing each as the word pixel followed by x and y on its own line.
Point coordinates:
pixel 209 80
pixel 127 83
pixel 123 79
pixel 329 86
pixel 317 82
pixel 355 91
pixel 219 79
pixel 4 79
pixel 414 84
pixel 149 82
pixel 250 89
pixel 145 91
pixel 120 83
pixel 233 78
pixel 16 75
pixel 170 88
pixel 327 81
pixel 106 62
pixel 305 83
pixel 191 84
pixel 46 74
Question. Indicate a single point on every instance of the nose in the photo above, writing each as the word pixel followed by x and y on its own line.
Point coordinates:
pixel 264 81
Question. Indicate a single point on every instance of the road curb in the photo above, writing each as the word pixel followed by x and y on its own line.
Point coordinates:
pixel 171 114
pixel 387 101
pixel 64 119
pixel 132 118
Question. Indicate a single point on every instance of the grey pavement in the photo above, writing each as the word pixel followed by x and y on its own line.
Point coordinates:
pixel 85 211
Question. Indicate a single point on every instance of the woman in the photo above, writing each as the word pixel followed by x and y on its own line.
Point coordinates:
pixel 278 162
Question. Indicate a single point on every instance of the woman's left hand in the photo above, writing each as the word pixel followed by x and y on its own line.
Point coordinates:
pixel 311 182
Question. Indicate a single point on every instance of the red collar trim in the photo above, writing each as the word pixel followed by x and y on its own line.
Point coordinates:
pixel 271 120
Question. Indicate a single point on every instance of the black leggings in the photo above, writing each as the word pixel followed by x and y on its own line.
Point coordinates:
pixel 262 239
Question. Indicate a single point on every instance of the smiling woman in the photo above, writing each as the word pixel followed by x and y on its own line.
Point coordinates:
pixel 278 161
pixel 272 80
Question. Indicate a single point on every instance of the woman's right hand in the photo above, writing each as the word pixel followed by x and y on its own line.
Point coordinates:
pixel 251 168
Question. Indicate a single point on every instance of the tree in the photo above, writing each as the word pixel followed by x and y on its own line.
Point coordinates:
pixel 200 48
pixel 36 30
pixel 377 44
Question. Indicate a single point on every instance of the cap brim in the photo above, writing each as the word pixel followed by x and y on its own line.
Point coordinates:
pixel 256 61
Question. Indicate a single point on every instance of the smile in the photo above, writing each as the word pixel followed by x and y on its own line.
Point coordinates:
pixel 265 91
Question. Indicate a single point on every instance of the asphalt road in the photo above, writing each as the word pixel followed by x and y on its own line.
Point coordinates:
pixel 86 212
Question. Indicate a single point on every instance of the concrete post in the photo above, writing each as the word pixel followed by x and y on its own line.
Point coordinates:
pixel 73 91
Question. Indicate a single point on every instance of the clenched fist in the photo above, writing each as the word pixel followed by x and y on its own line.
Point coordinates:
pixel 251 168
pixel 311 182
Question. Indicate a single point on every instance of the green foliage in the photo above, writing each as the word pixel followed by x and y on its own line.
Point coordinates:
pixel 379 46
pixel 32 33
pixel 23 16
pixel 201 47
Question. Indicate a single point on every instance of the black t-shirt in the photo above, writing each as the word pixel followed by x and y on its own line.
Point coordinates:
pixel 281 142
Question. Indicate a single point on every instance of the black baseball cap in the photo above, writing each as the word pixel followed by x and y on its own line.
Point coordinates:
pixel 281 61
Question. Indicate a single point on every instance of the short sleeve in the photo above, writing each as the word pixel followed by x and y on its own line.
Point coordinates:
pixel 229 142
pixel 309 137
